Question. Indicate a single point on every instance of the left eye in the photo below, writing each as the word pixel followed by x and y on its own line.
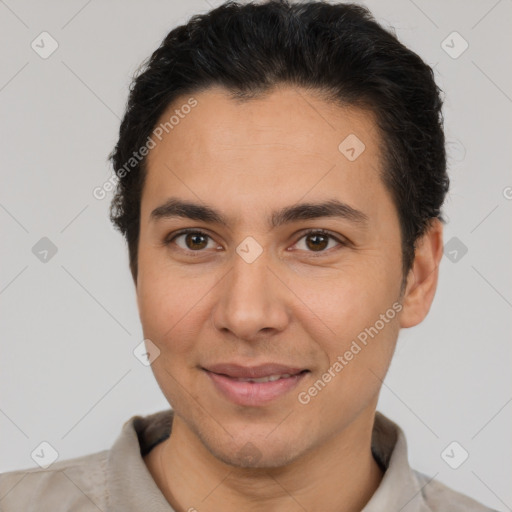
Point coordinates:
pixel 319 240
pixel 315 240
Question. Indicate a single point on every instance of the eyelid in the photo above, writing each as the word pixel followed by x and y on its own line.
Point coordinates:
pixel 170 239
pixel 342 241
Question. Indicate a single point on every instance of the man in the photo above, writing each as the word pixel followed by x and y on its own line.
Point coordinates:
pixel 281 175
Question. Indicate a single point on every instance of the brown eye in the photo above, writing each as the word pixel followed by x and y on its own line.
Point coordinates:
pixel 194 240
pixel 318 241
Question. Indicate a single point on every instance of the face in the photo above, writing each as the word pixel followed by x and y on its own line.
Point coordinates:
pixel 256 291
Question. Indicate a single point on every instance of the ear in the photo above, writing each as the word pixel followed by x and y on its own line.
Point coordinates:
pixel 422 278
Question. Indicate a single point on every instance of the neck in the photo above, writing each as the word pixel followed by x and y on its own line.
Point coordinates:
pixel 340 475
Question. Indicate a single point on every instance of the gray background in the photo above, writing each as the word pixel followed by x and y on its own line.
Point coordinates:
pixel 69 325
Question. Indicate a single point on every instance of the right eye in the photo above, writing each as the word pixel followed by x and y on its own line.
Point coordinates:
pixel 194 240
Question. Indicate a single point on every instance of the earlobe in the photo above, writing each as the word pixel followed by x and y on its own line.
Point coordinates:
pixel 423 276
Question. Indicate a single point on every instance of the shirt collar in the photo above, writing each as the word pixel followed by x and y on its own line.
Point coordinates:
pixel 131 487
pixel 399 489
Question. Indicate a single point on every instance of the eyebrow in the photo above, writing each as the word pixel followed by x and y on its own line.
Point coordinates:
pixel 175 207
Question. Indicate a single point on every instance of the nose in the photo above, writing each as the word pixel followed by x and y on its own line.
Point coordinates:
pixel 252 300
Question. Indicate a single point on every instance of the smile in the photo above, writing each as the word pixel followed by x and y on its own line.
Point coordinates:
pixel 254 386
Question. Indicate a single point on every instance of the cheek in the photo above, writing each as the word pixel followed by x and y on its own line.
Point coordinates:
pixel 171 306
pixel 349 300
pixel 355 318
pixel 358 357
pixel 161 304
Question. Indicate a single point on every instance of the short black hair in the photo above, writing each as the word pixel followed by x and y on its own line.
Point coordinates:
pixel 337 50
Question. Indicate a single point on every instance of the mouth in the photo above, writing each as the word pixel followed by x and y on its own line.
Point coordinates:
pixel 254 386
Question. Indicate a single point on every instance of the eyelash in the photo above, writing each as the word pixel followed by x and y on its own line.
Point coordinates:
pixel 324 232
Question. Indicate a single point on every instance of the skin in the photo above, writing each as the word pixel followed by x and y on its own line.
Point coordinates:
pixel 294 304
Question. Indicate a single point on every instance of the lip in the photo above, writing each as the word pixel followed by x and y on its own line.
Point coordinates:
pixel 254 394
pixel 252 372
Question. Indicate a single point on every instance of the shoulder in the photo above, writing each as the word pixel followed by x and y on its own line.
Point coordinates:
pixel 72 484
pixel 441 498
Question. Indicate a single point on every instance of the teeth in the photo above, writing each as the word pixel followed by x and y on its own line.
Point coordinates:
pixel 270 378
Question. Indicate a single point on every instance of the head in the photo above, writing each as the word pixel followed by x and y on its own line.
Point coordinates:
pixel 260 122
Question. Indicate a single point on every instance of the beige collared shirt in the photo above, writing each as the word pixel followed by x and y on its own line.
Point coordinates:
pixel 118 479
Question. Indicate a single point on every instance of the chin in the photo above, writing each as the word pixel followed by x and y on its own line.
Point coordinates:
pixel 245 443
pixel 251 452
pixel 251 457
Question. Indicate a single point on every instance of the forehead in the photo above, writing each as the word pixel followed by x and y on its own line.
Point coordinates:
pixel 285 116
pixel 283 146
